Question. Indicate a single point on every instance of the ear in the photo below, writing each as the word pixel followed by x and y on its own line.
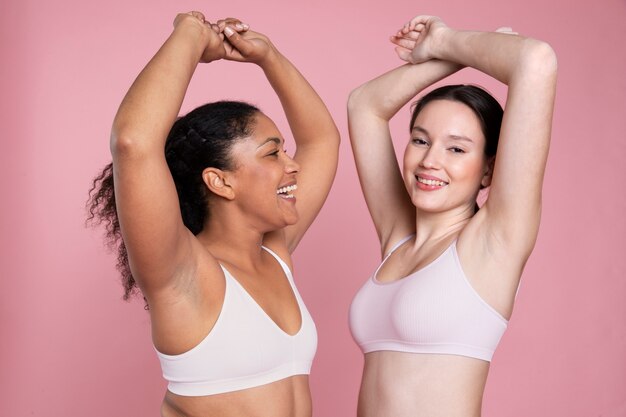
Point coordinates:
pixel 486 181
pixel 217 182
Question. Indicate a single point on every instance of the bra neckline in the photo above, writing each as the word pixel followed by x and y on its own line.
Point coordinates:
pixel 375 280
pixel 287 273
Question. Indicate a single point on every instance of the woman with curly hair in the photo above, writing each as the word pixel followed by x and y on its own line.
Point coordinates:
pixel 206 210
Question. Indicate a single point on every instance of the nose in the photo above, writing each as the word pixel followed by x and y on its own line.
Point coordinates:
pixel 430 159
pixel 291 166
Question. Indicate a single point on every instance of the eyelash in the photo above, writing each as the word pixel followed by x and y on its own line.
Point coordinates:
pixel 419 141
pixel 422 142
pixel 275 153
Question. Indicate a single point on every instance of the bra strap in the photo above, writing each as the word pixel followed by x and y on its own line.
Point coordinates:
pixel 397 245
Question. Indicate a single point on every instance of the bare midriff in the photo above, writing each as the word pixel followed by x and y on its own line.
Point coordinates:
pixel 289 397
pixel 399 384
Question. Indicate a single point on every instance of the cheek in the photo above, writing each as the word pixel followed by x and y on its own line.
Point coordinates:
pixel 472 170
pixel 411 157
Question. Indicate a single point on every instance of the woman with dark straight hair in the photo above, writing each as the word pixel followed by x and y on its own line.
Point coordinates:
pixel 206 210
pixel 430 317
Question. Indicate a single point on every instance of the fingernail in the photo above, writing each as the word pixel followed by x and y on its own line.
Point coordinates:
pixel 239 26
pixel 246 26
pixel 228 31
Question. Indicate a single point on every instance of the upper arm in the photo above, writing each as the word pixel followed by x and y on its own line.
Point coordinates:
pixel 379 174
pixel 159 245
pixel 318 164
pixel 514 205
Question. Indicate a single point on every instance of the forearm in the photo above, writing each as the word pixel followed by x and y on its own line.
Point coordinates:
pixel 505 57
pixel 308 117
pixel 152 103
pixel 388 93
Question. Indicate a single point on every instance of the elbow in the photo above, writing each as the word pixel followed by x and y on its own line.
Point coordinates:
pixel 355 99
pixel 540 58
pixel 124 144
pixel 129 140
pixel 120 143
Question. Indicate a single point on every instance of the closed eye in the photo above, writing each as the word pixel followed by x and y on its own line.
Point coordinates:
pixel 419 141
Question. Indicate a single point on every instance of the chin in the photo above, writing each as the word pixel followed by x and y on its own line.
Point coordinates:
pixel 291 220
pixel 427 205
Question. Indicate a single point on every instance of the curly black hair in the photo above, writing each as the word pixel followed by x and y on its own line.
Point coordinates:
pixel 200 139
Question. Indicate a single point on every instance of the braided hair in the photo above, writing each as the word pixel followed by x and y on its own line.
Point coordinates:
pixel 200 139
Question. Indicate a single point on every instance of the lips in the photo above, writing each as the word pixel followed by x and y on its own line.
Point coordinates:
pixel 428 182
pixel 431 182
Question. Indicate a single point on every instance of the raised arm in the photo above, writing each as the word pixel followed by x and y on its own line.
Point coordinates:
pixel 370 107
pixel 314 131
pixel 528 67
pixel 158 244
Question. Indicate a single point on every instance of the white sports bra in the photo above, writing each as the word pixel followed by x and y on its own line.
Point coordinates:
pixel 245 348
pixel 433 310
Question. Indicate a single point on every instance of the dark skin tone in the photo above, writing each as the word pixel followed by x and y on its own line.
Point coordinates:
pixel 179 273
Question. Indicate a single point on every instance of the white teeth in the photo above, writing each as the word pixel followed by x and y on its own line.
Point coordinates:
pixel 431 182
pixel 287 190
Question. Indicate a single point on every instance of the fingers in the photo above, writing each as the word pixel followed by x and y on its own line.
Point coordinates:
pixel 218 26
pixel 194 15
pixel 403 53
pixel 236 40
pixel 234 23
pixel 406 43
pixel 198 15
pixel 421 19
pixel 409 27
pixel 406 40
pixel 507 30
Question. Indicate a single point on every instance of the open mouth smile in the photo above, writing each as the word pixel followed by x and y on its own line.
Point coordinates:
pixel 431 182
pixel 286 192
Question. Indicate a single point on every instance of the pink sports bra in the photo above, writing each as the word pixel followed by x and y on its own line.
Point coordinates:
pixel 434 310
pixel 245 348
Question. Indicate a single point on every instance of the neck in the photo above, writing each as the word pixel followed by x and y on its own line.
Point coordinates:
pixel 230 238
pixel 433 226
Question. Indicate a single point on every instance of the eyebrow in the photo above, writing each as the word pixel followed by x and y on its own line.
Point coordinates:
pixel 420 129
pixel 461 138
pixel 455 137
pixel 275 140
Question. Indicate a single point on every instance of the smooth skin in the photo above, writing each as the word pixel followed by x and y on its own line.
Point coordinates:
pixel 447 144
pixel 179 273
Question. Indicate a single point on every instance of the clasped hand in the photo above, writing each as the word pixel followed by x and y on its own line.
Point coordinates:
pixel 228 39
pixel 417 40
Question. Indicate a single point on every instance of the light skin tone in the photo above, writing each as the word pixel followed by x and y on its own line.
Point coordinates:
pixel 179 273
pixel 433 196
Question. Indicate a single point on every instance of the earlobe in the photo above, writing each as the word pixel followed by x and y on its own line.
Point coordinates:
pixel 486 181
pixel 215 181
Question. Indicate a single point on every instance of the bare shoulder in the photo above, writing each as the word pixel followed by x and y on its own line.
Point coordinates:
pixel 276 242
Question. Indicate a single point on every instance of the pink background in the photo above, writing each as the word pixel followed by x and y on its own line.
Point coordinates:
pixel 71 347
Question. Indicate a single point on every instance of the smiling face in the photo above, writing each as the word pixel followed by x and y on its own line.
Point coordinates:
pixel 264 178
pixel 445 163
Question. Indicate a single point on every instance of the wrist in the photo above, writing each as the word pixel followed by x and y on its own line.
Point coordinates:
pixel 441 45
pixel 271 59
pixel 193 32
